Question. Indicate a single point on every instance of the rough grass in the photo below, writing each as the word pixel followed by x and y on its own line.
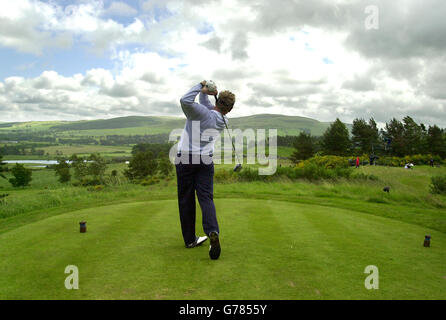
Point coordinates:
pixel 407 201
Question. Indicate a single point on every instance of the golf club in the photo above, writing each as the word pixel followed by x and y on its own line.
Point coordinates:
pixel 238 166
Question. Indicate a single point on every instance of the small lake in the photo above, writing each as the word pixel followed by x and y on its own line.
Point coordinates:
pixel 37 163
pixel 45 162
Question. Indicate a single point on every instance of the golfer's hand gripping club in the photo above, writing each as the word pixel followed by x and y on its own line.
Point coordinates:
pixel 209 87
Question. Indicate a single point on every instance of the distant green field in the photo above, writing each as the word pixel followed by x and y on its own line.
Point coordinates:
pixel 118 131
pixel 29 126
pixel 88 149
pixel 82 150
pixel 286 125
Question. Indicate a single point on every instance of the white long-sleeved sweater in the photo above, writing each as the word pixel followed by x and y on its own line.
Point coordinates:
pixel 203 124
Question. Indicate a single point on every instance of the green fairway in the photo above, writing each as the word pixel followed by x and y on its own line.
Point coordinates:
pixel 271 250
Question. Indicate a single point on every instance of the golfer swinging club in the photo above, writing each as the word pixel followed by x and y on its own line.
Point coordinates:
pixel 194 174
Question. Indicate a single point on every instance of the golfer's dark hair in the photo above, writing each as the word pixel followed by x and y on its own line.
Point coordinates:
pixel 226 100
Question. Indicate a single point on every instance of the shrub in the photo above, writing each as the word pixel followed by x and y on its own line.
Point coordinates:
pixel 141 165
pixel 62 169
pixel 225 176
pixel 98 187
pixel 79 164
pixel 64 175
pixel 84 182
pixel 150 181
pixel 438 185
pixel 165 166
pixel 416 159
pixel 309 171
pixel 96 166
pixel 22 176
pixel 328 162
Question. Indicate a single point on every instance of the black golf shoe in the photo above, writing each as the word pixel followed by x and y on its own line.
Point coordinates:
pixel 214 249
pixel 198 241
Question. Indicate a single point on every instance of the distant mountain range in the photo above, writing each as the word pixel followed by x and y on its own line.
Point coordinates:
pixel 285 125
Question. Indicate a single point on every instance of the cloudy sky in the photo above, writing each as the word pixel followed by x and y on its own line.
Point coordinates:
pixel 322 59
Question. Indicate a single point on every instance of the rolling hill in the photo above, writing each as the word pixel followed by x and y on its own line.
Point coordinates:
pixel 285 125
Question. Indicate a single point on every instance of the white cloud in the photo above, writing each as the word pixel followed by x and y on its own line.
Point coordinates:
pixel 118 8
pixel 275 60
pixel 27 27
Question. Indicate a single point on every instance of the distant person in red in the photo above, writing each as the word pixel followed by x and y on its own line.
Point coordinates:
pixel 357 162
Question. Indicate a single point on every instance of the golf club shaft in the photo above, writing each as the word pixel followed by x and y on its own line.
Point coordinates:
pixel 233 147
pixel 227 129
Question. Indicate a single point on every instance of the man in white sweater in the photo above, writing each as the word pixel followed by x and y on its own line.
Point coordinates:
pixel 194 166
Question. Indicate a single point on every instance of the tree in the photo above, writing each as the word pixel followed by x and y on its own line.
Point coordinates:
pixel 80 166
pixel 435 143
pixel 62 169
pixel 374 136
pixel 141 165
pixel 360 135
pixel 412 136
pixel 304 146
pixel 96 166
pixel 165 166
pixel 22 176
pixel 364 135
pixel 394 137
pixel 336 140
pixel 158 149
pixel 1 167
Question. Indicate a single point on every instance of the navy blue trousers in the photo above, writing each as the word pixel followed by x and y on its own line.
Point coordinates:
pixel 196 178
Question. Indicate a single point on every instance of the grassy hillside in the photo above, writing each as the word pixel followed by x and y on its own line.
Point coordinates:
pixel 122 122
pixel 286 125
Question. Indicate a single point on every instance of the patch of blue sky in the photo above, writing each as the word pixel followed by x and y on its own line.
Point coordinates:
pixel 160 14
pixel 178 66
pixel 19 64
pixel 145 48
pixel 62 3
pixel 122 20
pixel 206 28
pixel 327 60
pixel 66 62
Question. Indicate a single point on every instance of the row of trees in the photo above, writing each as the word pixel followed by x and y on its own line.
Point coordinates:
pixel 118 140
pixel 397 138
pixel 34 136
pixel 148 159
pixel 88 170
pixel 22 149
